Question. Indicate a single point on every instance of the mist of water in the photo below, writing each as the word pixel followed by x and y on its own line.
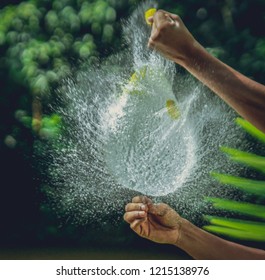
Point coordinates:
pixel 120 141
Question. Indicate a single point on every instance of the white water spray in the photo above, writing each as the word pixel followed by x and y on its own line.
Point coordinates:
pixel 117 144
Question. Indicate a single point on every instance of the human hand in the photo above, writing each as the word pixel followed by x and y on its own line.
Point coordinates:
pixel 170 37
pixel 156 222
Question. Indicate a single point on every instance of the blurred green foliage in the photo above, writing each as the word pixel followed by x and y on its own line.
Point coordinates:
pixel 250 223
pixel 42 40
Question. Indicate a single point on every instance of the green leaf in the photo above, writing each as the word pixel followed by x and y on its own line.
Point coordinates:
pixel 236 228
pixel 249 159
pixel 248 185
pixel 239 224
pixel 235 233
pixel 41 84
pixel 251 129
pixel 249 209
pixel 240 229
pixel 26 120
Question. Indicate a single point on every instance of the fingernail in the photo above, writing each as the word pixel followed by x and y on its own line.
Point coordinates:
pixel 142 207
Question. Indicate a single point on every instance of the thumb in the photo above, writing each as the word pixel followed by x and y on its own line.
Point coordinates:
pixel 150 20
pixel 159 209
pixel 166 214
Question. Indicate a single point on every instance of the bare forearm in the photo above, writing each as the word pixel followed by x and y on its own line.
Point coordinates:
pixel 203 245
pixel 246 96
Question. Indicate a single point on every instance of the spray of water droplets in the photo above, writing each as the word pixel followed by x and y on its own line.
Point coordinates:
pixel 119 139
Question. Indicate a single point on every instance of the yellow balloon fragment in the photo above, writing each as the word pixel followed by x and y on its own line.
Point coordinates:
pixel 133 85
pixel 138 76
pixel 172 109
pixel 149 13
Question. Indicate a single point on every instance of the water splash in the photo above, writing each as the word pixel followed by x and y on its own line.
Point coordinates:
pixel 119 142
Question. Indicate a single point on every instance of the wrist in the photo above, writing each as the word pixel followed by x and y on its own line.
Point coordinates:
pixel 194 240
pixel 194 56
pixel 183 227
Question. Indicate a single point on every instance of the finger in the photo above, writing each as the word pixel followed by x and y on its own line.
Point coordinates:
pixel 174 17
pixel 159 14
pixel 176 20
pixel 154 34
pixel 136 224
pixel 138 199
pixel 135 206
pixel 141 199
pixel 169 18
pixel 129 217
pixel 160 17
pixel 151 19
pixel 170 217
pixel 151 43
pixel 161 20
pixel 159 209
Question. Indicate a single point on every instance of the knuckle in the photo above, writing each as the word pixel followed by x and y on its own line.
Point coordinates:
pixel 164 205
pixel 160 11
pixel 136 199
pixel 125 217
pixel 154 39
pixel 150 43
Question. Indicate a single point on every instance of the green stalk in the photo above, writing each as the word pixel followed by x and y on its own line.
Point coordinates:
pixel 249 209
pixel 251 186
pixel 251 129
pixel 249 159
